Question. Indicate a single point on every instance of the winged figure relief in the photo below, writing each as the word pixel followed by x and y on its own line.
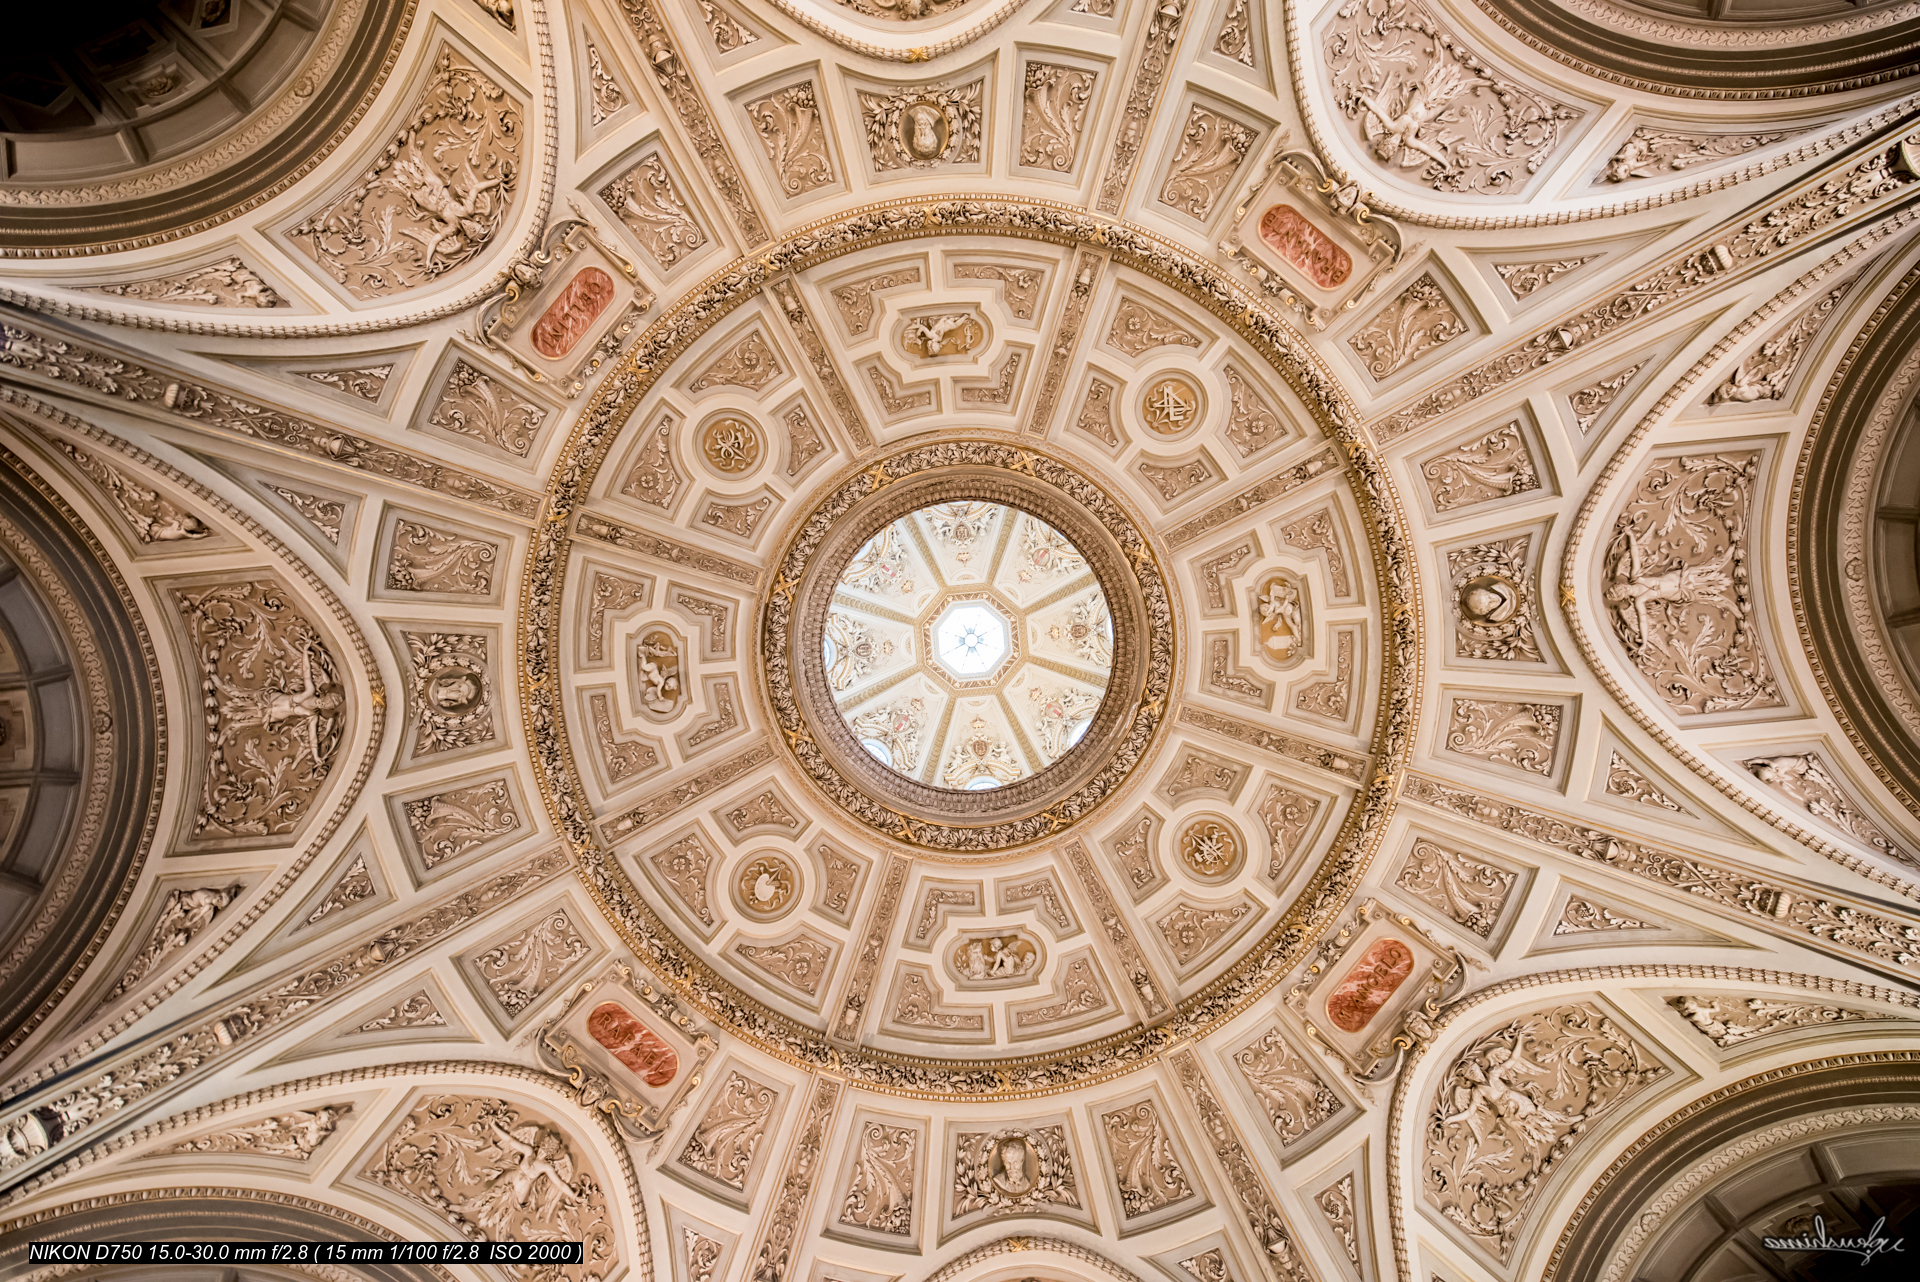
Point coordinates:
pixel 1424 102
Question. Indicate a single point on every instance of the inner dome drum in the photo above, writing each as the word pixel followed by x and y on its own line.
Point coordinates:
pixel 968 645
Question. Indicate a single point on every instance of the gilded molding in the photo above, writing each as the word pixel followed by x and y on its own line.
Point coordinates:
pixel 542 642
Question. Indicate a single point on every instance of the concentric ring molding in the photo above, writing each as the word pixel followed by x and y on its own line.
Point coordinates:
pixel 542 616
pixel 924 471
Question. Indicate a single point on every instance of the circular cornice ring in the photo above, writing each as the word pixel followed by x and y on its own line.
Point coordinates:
pixel 1877 1086
pixel 1863 683
pixel 1010 473
pixel 542 640
pixel 816 16
pixel 1678 59
pixel 237 173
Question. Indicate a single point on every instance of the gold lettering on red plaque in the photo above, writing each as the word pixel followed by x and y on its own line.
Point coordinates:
pixel 1374 978
pixel 1289 234
pixel 633 1043
pixel 569 317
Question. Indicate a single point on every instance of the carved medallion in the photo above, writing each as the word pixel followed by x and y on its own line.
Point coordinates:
pixel 569 317
pixel 1170 406
pixel 661 690
pixel 1280 625
pixel 1013 1171
pixel 766 887
pixel 1211 850
pixel 731 445
pixel 450 682
pixel 1360 994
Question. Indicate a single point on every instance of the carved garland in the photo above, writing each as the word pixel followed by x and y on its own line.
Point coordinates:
pixel 543 640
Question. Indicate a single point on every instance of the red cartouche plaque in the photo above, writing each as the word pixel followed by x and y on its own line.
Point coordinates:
pixel 1289 234
pixel 1374 978
pixel 569 317
pixel 633 1043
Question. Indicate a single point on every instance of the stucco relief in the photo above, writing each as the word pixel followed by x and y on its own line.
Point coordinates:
pixel 1472 892
pixel 1651 152
pixel 425 559
pixel 485 408
pixel 274 703
pixel 1496 465
pixel 1053 110
pixel 1802 779
pixel 433 199
pixel 1728 1021
pixel 499 1172
pixel 1415 324
pixel 1676 584
pixel 151 515
pixel 1511 1107
pixel 1212 147
pixel 452 693
pixel 225 282
pixel 793 134
pixel 1294 1097
pixel 1431 108
pixel 1147 1169
pixel 880 1192
pixel 648 202
pixel 1766 371
pixel 184 916
pixel 918 127
pixel 294 1135
pixel 1491 597
pixel 1013 1171
pixel 447 824
pixel 728 1135
pixel 523 967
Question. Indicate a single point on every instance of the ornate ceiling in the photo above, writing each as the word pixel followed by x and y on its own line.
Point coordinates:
pixel 834 642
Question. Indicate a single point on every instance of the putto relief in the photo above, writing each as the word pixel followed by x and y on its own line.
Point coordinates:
pixel 659 686
pixel 497 1173
pixel 1280 619
pixel 985 960
pixel 1676 584
pixel 1513 1105
pixel 1432 110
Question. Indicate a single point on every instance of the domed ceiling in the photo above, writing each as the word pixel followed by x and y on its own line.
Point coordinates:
pixel 814 641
